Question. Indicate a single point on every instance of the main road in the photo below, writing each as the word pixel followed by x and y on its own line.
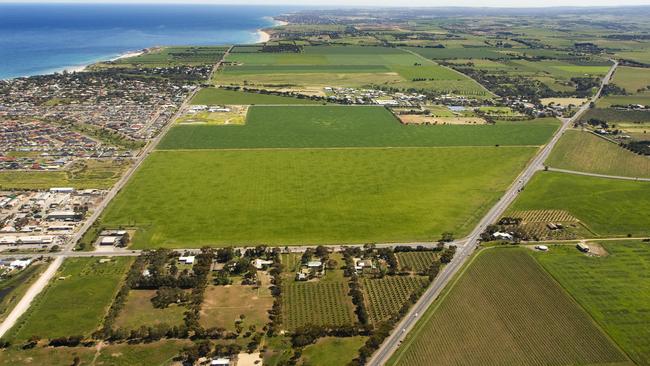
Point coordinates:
pixel 392 342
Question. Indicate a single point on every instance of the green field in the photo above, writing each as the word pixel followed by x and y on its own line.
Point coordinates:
pixel 632 78
pixel 609 207
pixel 139 311
pixel 12 289
pixel 506 310
pixel 614 289
pixel 86 174
pixel 231 97
pixel 174 56
pixel 344 66
pixel 75 302
pixel 614 116
pixel 338 126
pixel 331 351
pixel 416 261
pixel 188 199
pixel 316 303
pixel 586 152
pixel 386 296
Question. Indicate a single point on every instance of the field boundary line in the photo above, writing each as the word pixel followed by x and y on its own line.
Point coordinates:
pixel 350 148
pixel 596 175
pixel 593 320
pixel 432 309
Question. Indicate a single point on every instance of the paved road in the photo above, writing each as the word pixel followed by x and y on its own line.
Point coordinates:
pixel 393 341
pixel 598 175
pixel 29 296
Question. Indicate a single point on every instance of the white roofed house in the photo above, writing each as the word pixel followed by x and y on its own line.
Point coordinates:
pixel 187 259
pixel 261 263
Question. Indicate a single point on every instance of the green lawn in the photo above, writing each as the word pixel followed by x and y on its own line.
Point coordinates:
pixel 609 207
pixel 231 97
pixel 586 152
pixel 192 198
pixel 505 309
pixel 332 351
pixel 338 126
pixel 76 301
pixel 614 289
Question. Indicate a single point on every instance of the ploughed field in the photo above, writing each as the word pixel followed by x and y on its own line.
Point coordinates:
pixel 506 310
pixel 321 175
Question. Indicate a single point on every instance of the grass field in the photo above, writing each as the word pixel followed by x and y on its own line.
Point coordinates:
pixel 614 116
pixel 614 289
pixel 332 351
pixel 336 126
pixel 174 56
pixel 386 296
pixel 349 66
pixel 76 300
pixel 193 198
pixel 609 207
pixel 586 152
pixel 506 310
pixel 316 303
pixel 139 311
pixel 13 289
pixel 220 96
pixel 223 305
pixel 632 78
pixel 157 353
pixel 610 100
pixel 85 174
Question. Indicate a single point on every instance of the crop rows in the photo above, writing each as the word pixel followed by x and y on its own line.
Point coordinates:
pixel 544 216
pixel 506 310
pixel 317 303
pixel 385 296
pixel 416 261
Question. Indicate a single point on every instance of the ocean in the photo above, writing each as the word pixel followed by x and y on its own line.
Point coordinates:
pixel 45 38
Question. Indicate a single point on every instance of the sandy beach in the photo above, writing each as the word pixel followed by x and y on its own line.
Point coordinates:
pixel 263 36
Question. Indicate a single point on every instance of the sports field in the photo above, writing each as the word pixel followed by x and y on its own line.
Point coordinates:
pixel 608 207
pixel 586 152
pixel 614 289
pixel 75 302
pixel 192 198
pixel 340 126
pixel 505 309
pixel 220 96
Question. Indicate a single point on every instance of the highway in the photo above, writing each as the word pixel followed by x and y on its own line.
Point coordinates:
pixel 393 341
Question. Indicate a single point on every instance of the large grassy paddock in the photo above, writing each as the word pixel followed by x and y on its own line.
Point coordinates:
pixel 614 289
pixel 586 152
pixel 337 126
pixel 506 310
pixel 235 97
pixel 609 207
pixel 192 198
pixel 76 301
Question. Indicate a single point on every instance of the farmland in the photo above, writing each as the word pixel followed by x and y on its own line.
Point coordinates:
pixel 332 351
pixel 224 304
pixel 317 303
pixel 172 56
pixel 415 261
pixel 606 206
pixel 386 296
pixel 139 311
pixel 506 310
pixel 633 79
pixel 220 96
pixel 614 289
pixel 336 126
pixel 75 303
pixel 586 152
pixel 286 197
pixel 81 175
pixel 320 66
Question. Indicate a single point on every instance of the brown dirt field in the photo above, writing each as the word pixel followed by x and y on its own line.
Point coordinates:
pixel 222 305
pixel 424 119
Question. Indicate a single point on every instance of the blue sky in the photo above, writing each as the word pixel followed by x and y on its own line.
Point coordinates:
pixel 478 3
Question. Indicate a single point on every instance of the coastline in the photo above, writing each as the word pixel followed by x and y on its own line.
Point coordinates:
pixel 263 36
